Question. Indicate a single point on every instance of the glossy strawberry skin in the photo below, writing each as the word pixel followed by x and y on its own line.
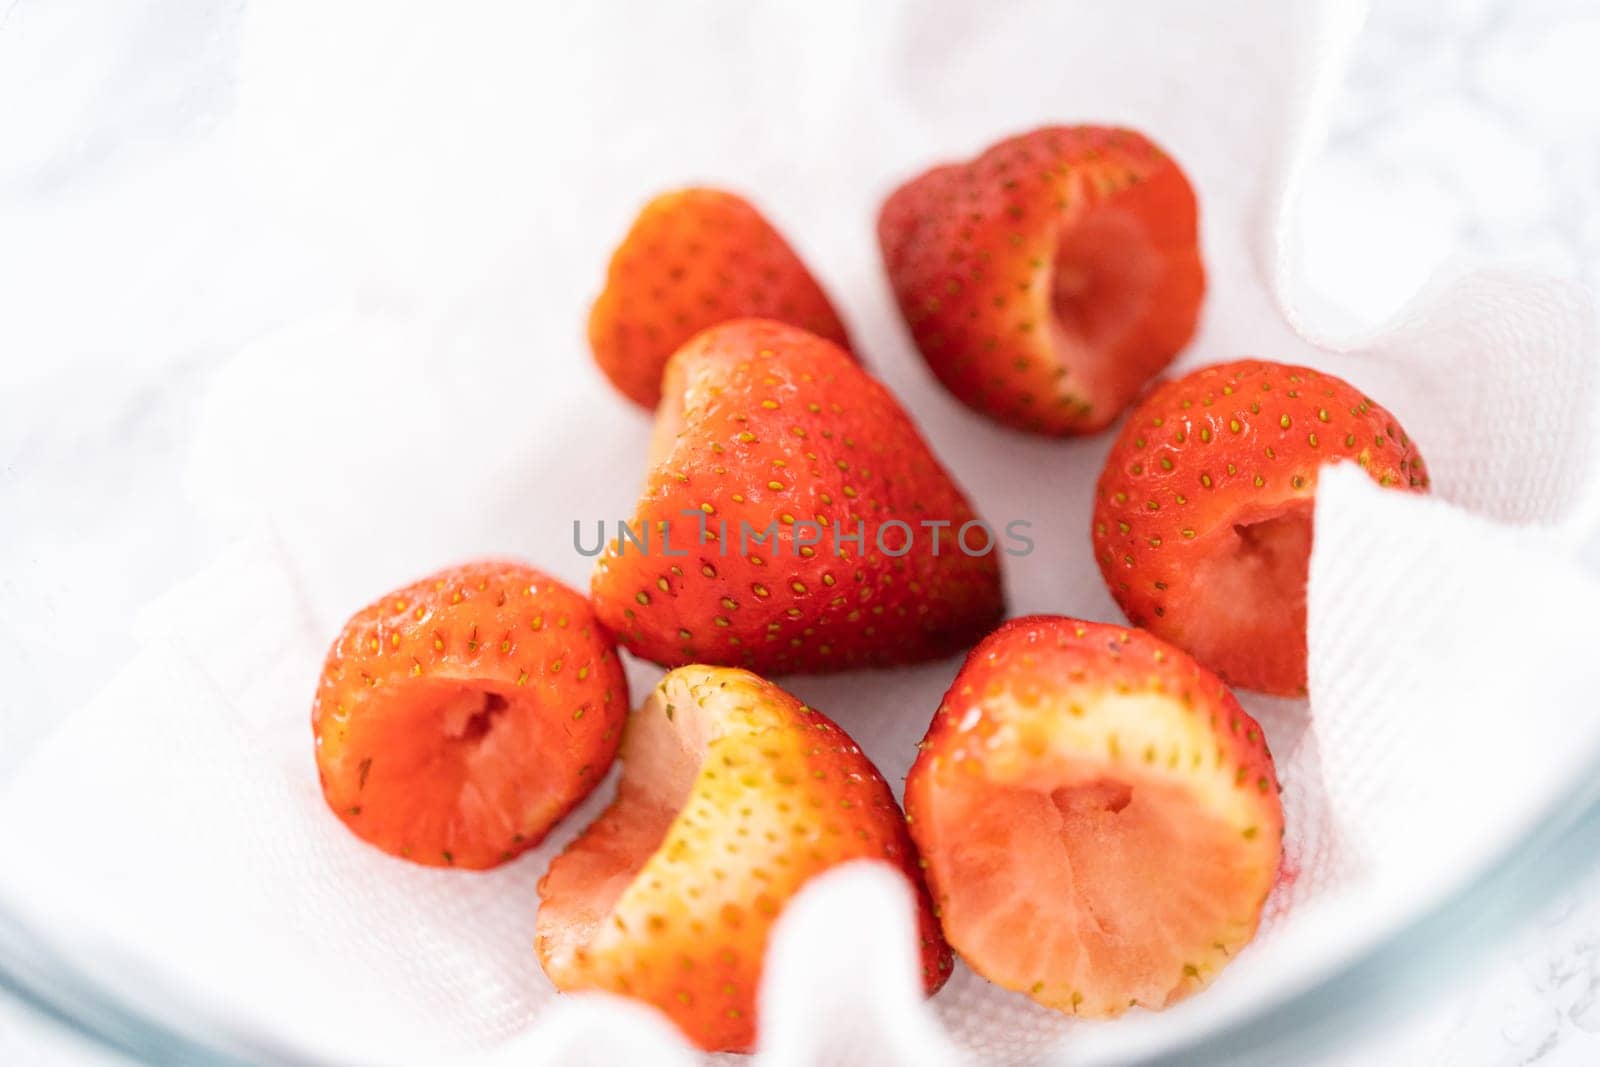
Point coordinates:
pixel 459 718
pixel 671 895
pixel 693 258
pixel 1207 462
pixel 783 429
pixel 1047 280
pixel 1026 713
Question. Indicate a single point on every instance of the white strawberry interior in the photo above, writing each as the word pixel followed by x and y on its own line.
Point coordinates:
pixel 661 758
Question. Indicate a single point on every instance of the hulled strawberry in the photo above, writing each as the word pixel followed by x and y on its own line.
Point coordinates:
pixel 1202 521
pixel 793 519
pixel 458 718
pixel 1048 279
pixel 694 258
pixel 733 795
pixel 1098 818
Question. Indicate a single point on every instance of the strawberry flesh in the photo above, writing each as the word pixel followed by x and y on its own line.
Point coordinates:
pixel 1099 888
pixel 1103 291
pixel 457 719
pixel 1254 582
pixel 661 760
pixel 733 794
pixel 1048 279
pixel 1099 818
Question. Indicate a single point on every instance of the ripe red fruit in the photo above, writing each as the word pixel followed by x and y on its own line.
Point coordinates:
pixel 1047 280
pixel 459 718
pixel 1202 521
pixel 694 258
pixel 764 426
pixel 733 795
pixel 1098 818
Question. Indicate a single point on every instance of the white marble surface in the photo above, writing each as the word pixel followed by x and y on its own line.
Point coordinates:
pixel 130 270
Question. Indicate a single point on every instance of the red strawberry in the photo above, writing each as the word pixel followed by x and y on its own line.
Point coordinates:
pixel 766 426
pixel 733 795
pixel 694 258
pixel 1098 818
pixel 1202 520
pixel 1048 279
pixel 459 718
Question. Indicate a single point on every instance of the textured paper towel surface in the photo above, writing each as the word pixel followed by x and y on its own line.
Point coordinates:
pixel 467 170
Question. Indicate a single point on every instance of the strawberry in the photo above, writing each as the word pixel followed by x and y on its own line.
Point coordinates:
pixel 1202 519
pixel 766 429
pixel 1048 279
pixel 1098 818
pixel 694 258
pixel 459 718
pixel 733 795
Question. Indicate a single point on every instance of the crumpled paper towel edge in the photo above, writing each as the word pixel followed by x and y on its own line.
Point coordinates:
pixel 822 973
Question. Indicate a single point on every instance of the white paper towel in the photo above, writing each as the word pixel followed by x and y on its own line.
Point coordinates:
pixel 468 167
